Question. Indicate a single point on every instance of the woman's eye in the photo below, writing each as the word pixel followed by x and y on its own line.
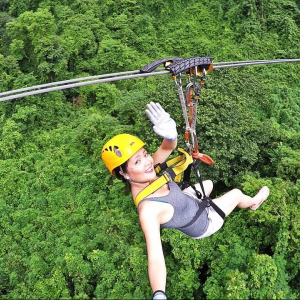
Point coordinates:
pixel 137 161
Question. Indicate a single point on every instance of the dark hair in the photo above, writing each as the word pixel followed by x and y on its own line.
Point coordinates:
pixel 123 169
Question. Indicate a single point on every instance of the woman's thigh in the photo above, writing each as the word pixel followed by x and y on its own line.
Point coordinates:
pixel 229 201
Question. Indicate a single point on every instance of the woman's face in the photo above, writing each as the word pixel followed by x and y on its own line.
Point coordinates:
pixel 140 166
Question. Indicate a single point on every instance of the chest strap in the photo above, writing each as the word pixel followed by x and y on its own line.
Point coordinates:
pixel 182 162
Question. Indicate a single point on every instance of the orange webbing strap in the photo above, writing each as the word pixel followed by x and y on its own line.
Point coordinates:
pixel 183 161
pixel 203 157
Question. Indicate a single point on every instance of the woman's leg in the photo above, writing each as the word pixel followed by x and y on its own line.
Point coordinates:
pixel 207 185
pixel 235 197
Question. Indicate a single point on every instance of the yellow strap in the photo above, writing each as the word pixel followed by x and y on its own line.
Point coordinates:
pixel 177 178
pixel 183 161
pixel 186 160
pixel 171 161
pixel 151 188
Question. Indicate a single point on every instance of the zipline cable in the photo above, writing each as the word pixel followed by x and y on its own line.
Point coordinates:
pixel 69 81
pixel 250 63
pixel 66 81
pixel 263 61
pixel 67 84
pixel 124 73
pixel 112 75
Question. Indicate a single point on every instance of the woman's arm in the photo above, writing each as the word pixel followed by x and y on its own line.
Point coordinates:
pixel 149 219
pixel 164 151
pixel 165 127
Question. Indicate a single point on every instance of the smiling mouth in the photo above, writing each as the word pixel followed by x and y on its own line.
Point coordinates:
pixel 149 170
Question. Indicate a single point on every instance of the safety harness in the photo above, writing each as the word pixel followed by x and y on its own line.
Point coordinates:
pixel 193 67
pixel 182 162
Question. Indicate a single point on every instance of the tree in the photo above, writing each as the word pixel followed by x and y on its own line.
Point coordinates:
pixel 36 46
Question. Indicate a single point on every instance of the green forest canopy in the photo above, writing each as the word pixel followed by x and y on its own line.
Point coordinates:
pixel 67 230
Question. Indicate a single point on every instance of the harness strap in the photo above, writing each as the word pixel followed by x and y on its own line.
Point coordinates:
pixel 200 210
pixel 186 177
pixel 206 202
pixel 216 208
pixel 205 198
pixel 151 188
pixel 183 161
pixel 163 166
pixel 196 170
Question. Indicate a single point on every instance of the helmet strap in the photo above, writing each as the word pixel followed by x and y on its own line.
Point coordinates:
pixel 140 182
pixel 123 174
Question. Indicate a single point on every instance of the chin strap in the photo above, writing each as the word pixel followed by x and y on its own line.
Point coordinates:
pixel 139 182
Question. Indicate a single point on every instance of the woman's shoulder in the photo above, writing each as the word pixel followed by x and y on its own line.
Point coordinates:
pixel 149 206
pixel 154 212
pixel 152 207
pixel 148 210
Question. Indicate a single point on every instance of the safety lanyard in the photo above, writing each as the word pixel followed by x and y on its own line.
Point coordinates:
pixel 189 99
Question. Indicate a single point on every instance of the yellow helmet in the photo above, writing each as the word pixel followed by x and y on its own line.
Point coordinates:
pixel 119 149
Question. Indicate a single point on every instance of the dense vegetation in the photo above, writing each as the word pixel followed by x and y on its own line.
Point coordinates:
pixel 67 230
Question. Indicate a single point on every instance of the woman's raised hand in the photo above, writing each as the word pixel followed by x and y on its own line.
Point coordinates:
pixel 164 125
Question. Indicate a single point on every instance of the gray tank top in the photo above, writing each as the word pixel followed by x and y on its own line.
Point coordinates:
pixel 185 209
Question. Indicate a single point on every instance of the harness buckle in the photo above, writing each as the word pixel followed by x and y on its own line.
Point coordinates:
pixel 167 176
pixel 208 201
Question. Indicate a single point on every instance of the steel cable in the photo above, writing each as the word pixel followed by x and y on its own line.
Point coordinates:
pixel 78 82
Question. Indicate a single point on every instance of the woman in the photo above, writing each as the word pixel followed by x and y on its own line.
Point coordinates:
pixel 167 207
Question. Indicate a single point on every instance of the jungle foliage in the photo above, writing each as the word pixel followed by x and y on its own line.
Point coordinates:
pixel 67 229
